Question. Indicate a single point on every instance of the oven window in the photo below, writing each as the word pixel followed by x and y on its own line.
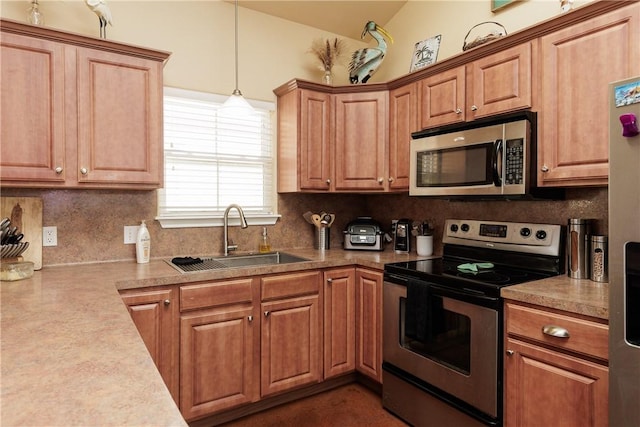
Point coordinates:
pixel 438 334
pixel 460 166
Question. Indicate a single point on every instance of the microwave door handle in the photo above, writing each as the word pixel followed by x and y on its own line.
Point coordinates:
pixel 497 163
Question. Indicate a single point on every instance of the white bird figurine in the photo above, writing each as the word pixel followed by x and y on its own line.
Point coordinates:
pixel 364 62
pixel 101 9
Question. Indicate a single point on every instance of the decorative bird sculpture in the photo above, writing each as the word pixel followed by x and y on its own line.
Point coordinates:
pixel 101 9
pixel 364 62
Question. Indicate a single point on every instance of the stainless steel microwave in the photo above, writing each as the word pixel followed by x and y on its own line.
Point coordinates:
pixel 489 157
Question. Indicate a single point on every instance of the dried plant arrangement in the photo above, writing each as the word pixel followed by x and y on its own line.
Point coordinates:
pixel 329 52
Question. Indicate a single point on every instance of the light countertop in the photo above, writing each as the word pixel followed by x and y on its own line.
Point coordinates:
pixel 71 355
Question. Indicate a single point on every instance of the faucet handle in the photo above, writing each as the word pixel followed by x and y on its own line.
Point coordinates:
pixel 231 246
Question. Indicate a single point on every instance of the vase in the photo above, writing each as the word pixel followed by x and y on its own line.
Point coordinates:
pixel 327 78
pixel 34 16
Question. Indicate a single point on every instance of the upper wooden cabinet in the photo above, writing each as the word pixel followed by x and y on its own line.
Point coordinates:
pixel 403 120
pixel 578 62
pixel 360 157
pixel 332 141
pixel 494 84
pixel 79 112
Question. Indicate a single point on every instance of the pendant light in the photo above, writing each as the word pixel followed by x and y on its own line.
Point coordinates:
pixel 236 105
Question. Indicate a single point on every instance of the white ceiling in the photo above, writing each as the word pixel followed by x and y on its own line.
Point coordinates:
pixel 345 18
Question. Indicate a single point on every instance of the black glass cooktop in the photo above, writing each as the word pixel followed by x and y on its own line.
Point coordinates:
pixel 445 272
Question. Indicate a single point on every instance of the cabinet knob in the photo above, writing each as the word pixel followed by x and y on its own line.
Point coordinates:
pixel 266 313
pixel 328 182
pixel 474 108
pixel 84 171
pixel 59 170
pixel 391 179
pixel 167 302
pixel 329 281
pixel 458 111
pixel 510 352
pixel 555 331
pixel 250 318
pixel 380 180
pixel 544 168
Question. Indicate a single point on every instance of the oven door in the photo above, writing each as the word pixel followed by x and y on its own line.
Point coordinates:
pixel 457 353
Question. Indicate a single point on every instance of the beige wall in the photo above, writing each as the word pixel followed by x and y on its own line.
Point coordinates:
pixel 422 19
pixel 200 35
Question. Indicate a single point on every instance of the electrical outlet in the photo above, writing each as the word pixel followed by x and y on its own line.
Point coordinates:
pixel 49 236
pixel 130 234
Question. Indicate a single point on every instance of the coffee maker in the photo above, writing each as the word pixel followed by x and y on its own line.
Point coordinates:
pixel 402 236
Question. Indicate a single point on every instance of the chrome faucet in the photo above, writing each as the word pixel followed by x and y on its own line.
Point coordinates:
pixel 243 224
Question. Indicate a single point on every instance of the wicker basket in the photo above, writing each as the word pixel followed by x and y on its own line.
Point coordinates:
pixel 479 40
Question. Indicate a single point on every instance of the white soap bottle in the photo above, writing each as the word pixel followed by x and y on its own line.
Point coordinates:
pixel 143 244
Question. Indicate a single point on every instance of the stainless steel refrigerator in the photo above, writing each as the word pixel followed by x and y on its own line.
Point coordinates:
pixel 624 253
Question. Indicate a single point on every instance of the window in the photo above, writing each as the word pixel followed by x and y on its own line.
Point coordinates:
pixel 212 161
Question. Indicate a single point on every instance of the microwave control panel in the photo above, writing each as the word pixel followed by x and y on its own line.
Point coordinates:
pixel 514 161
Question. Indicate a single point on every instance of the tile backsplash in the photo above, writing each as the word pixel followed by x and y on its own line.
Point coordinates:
pixel 90 222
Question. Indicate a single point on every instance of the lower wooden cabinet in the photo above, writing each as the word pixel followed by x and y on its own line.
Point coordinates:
pixel 555 374
pixel 339 321
pixel 218 345
pixel 369 323
pixel 227 343
pixel 155 314
pixel 291 331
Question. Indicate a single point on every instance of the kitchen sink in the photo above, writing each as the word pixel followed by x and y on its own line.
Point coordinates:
pixel 218 263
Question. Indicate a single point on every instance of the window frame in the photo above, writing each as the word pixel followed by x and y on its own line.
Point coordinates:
pixel 212 219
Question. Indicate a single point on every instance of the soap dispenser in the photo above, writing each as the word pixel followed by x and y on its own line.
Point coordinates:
pixel 143 244
pixel 265 245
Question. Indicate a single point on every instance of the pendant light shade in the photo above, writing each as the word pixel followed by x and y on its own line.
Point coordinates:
pixel 236 105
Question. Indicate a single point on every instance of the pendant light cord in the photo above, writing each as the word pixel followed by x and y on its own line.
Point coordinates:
pixel 236 91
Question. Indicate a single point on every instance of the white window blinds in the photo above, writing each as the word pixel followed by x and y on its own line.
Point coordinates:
pixel 213 161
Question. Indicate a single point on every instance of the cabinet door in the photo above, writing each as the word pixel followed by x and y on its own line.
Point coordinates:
pixel 217 364
pixel 119 119
pixel 315 140
pixel 291 344
pixel 32 123
pixel 339 321
pixel 155 314
pixel 573 138
pixel 500 82
pixel 544 387
pixel 361 141
pixel 403 120
pixel 442 98
pixel 369 323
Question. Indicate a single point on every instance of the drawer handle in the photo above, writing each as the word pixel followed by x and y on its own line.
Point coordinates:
pixel 555 331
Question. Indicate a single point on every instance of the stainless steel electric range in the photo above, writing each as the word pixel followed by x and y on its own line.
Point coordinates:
pixel 443 320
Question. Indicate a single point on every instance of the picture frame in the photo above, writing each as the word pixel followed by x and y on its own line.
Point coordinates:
pixel 425 53
pixel 499 4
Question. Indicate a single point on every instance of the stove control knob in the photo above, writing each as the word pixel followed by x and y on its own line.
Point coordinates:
pixel 525 232
pixel 454 228
pixel 541 234
pixel 464 227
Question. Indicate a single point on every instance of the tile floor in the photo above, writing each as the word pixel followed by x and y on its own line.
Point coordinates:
pixel 352 405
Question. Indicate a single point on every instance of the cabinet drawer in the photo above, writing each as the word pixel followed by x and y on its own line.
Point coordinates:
pixel 214 294
pixel 290 285
pixel 584 336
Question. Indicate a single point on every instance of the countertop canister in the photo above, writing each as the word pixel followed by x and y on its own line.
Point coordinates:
pixel 598 258
pixel 577 251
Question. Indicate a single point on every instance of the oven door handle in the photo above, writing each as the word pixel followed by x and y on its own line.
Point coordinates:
pixel 463 293
pixel 497 166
